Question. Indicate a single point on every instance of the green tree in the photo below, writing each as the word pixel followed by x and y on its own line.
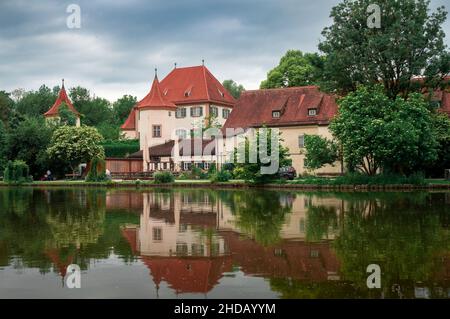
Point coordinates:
pixel 76 145
pixel 379 133
pixel 295 69
pixel 66 116
pixel 319 152
pixel 122 108
pixel 3 146
pixel 6 106
pixel 441 129
pixel 233 88
pixel 36 103
pixel 409 43
pixel 28 142
pixel 253 171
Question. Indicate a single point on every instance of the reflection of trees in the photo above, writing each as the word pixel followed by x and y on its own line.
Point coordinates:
pixel 39 226
pixel 321 220
pixel 295 289
pixel 79 223
pixel 405 237
pixel 23 229
pixel 260 214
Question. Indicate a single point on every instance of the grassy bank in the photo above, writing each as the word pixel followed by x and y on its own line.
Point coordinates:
pixel 318 183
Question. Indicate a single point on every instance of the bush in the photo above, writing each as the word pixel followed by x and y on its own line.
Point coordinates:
pixel 164 177
pixel 221 176
pixel 16 172
pixel 362 179
pixel 97 171
pixel 120 149
pixel 194 173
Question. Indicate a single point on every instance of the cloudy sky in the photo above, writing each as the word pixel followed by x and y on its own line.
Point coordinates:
pixel 121 42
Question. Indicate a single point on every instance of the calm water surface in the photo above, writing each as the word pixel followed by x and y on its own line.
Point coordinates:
pixel 195 243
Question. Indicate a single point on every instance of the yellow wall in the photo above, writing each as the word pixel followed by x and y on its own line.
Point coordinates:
pixel 290 136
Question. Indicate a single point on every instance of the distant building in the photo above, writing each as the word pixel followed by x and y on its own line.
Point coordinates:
pixel 295 111
pixel 53 113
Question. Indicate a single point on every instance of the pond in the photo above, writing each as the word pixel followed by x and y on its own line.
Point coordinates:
pixel 204 243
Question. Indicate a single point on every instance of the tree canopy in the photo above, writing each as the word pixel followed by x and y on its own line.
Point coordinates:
pixel 76 145
pixel 234 88
pixel 379 133
pixel 295 69
pixel 409 43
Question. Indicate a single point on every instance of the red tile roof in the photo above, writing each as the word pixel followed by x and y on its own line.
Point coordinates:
pixel 155 99
pixel 195 84
pixel 130 122
pixel 62 97
pixel 188 274
pixel 254 108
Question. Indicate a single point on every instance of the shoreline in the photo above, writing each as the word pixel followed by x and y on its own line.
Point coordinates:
pixel 236 185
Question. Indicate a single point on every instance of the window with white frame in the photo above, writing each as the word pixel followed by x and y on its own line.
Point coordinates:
pixel 312 112
pixel 276 114
pixel 196 111
pixel 225 113
pixel 157 233
pixel 181 133
pixel 156 129
pixel 213 111
pixel 180 112
pixel 301 141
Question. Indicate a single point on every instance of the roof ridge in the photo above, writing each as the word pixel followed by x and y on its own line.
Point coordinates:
pixel 282 89
pixel 206 82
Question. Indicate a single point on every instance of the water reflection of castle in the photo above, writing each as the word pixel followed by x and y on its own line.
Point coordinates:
pixel 189 240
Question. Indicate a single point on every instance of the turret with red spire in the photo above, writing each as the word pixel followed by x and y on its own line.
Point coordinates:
pixel 53 112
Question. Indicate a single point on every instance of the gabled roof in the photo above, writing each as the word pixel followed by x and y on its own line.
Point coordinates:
pixel 130 122
pixel 62 97
pixel 255 108
pixel 195 84
pixel 155 99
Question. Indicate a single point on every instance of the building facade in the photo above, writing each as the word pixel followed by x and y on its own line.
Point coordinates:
pixel 295 112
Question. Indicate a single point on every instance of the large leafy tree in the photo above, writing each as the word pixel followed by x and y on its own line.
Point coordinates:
pixel 36 103
pixel 122 108
pixel 379 133
pixel 75 145
pixel 234 88
pixel 441 129
pixel 28 142
pixel 295 69
pixel 409 43
pixel 3 147
pixel 319 152
pixel 94 110
pixel 252 171
pixel 6 106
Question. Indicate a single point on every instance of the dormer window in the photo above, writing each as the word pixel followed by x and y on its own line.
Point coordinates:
pixel 276 114
pixel 312 112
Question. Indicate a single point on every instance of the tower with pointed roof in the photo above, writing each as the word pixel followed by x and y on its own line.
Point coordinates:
pixel 190 94
pixel 53 113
